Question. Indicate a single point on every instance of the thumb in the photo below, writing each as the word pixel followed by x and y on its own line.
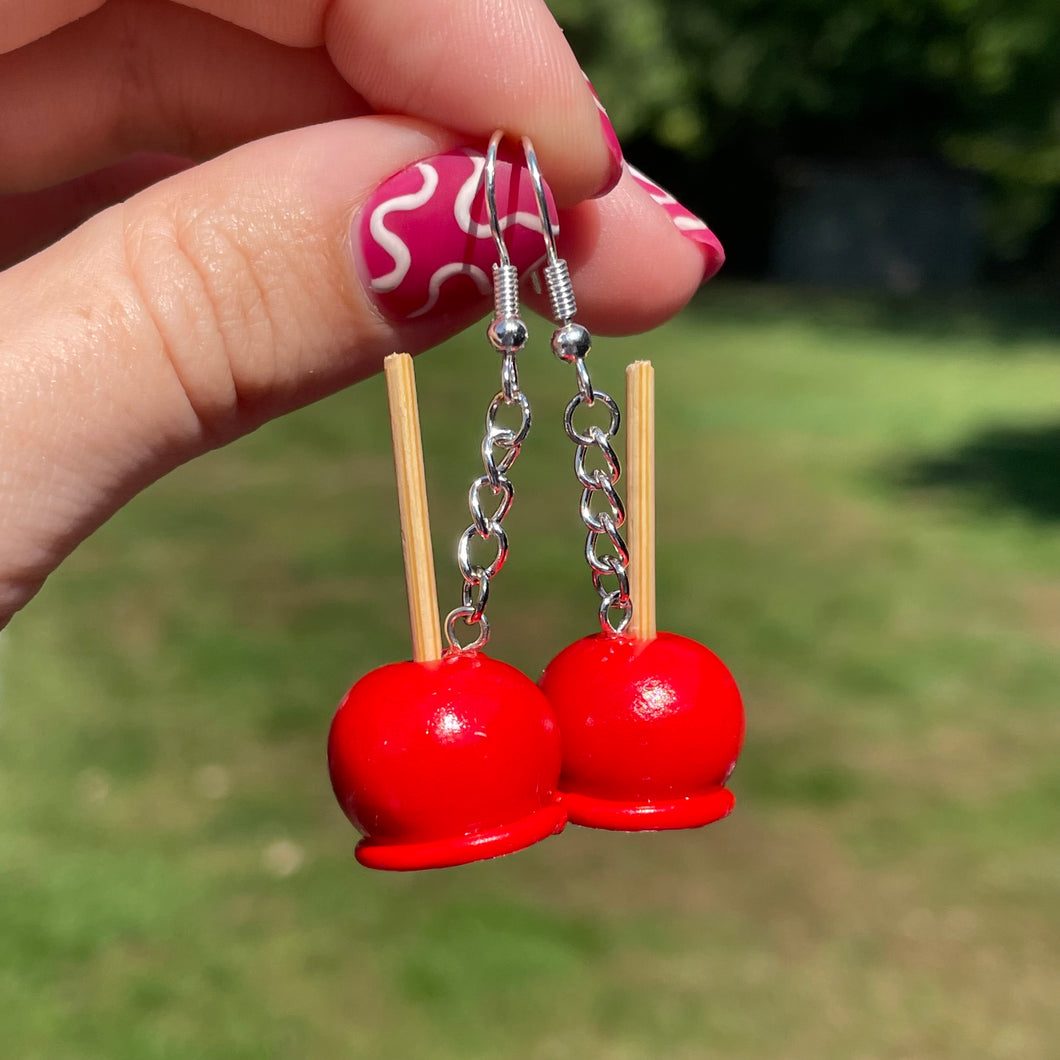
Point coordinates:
pixel 185 317
pixel 238 290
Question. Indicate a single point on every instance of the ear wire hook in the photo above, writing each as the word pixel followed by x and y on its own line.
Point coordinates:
pixel 538 184
pixel 491 198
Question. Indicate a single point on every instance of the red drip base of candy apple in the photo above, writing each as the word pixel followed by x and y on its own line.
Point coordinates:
pixel 651 731
pixel 445 762
pixel 444 853
pixel 692 811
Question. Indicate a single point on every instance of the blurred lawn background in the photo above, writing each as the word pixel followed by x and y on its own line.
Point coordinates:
pixel 858 510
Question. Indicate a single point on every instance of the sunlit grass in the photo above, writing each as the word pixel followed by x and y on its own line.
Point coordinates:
pixel 175 879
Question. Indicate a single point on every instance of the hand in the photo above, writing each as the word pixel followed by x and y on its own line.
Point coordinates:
pixel 244 285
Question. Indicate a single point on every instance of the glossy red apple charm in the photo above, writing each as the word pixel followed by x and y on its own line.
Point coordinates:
pixel 445 762
pixel 651 731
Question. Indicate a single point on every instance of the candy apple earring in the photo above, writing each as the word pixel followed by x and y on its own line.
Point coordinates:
pixel 454 756
pixel 652 723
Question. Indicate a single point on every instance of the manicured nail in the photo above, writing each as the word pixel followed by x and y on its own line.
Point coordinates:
pixel 422 241
pixel 687 223
pixel 614 148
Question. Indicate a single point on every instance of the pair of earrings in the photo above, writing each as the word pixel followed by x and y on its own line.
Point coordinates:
pixel 454 756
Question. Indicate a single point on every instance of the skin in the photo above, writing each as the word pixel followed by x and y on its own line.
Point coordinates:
pixel 205 287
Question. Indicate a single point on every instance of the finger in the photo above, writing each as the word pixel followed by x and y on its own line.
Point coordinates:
pixel 150 76
pixel 613 247
pixel 22 22
pixel 33 220
pixel 476 66
pixel 216 299
pixel 469 65
pixel 145 75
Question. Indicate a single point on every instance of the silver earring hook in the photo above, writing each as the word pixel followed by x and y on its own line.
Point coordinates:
pixel 538 184
pixel 491 198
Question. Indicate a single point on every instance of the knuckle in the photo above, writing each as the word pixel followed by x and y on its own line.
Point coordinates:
pixel 200 286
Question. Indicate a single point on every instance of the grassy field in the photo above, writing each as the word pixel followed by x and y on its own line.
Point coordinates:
pixel 859 509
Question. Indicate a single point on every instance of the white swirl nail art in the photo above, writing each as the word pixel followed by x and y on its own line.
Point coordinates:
pixel 446 272
pixel 466 196
pixel 390 242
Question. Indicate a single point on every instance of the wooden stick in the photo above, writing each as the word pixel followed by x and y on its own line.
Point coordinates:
pixel 640 498
pixel 412 506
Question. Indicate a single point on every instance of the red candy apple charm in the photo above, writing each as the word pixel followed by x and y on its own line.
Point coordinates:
pixel 652 723
pixel 651 731
pixel 448 758
pixel 441 763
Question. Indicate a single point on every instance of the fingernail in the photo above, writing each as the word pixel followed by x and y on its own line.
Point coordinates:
pixel 687 223
pixel 614 148
pixel 422 242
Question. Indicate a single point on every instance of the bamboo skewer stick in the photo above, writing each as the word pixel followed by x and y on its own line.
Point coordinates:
pixel 412 507
pixel 640 496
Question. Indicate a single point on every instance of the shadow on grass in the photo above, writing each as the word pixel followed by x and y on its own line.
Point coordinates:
pixel 1013 468
pixel 997 317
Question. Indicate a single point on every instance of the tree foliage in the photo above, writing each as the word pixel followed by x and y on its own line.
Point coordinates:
pixel 974 82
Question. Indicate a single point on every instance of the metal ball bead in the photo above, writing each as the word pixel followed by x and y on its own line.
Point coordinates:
pixel 571 343
pixel 507 334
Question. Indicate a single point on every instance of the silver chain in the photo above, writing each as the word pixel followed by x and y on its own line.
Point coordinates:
pixel 601 506
pixel 507 334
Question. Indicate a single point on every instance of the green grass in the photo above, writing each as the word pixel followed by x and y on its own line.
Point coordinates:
pixel 857 510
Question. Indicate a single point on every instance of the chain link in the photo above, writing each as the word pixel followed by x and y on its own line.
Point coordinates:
pixel 602 510
pixel 500 449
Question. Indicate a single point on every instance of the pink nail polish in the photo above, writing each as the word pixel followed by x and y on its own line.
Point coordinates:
pixel 614 148
pixel 422 241
pixel 686 222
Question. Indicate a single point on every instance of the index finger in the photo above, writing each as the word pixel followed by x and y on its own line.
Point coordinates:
pixel 476 66
pixel 468 65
